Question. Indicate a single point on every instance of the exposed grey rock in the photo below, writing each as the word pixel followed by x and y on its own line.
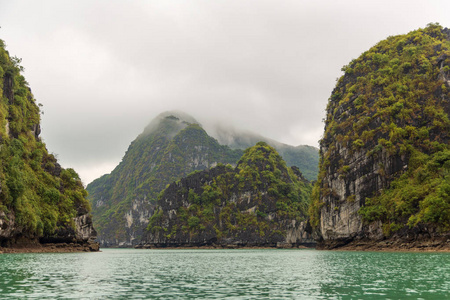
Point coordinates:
pixel 84 229
pixel 366 176
pixel 7 226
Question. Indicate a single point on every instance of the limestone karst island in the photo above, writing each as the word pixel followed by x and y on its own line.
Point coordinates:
pixel 381 179
pixel 385 157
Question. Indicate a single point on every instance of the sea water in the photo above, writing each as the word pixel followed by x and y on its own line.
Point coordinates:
pixel 225 274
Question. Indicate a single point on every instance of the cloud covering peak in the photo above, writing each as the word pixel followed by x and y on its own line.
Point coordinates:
pixel 104 69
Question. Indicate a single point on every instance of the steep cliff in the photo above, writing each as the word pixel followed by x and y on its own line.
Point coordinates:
pixel 385 156
pixel 172 146
pixel 40 202
pixel 260 202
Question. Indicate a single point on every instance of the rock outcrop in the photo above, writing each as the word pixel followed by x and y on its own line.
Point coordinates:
pixel 385 150
pixel 260 202
pixel 40 202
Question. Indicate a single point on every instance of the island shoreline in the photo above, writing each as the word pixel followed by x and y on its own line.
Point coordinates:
pixel 52 248
pixel 437 244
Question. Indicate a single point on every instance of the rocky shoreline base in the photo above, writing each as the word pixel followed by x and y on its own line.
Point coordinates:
pixel 437 244
pixel 226 246
pixel 52 248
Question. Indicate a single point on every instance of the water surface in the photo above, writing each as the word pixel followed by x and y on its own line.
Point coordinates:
pixel 225 274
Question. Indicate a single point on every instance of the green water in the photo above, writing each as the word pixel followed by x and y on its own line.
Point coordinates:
pixel 229 274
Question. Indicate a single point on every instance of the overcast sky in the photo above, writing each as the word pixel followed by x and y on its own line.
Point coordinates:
pixel 104 69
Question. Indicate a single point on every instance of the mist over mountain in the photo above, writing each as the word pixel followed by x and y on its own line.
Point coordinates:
pixel 176 115
pixel 303 156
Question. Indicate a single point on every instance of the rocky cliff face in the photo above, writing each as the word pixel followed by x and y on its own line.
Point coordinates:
pixel 260 202
pixel 172 146
pixel 40 202
pixel 384 153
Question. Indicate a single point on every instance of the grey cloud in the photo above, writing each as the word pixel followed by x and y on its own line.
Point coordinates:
pixel 104 69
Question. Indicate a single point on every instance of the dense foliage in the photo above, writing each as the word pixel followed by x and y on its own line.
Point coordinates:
pixel 35 192
pixel 306 158
pixel 419 196
pixel 394 100
pixel 166 151
pixel 252 198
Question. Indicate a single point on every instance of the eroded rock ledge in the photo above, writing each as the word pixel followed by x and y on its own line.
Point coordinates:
pixel 33 246
pixel 432 245
pixel 279 245
pixel 411 242
pixel 82 239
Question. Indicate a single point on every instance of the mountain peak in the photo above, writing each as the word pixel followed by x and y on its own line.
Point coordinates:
pixel 176 115
pixel 171 121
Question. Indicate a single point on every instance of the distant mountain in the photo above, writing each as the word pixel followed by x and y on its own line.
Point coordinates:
pixel 170 147
pixel 261 202
pixel 306 158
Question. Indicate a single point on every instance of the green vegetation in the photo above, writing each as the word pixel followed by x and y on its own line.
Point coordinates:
pixel 394 100
pixel 420 195
pixel 167 150
pixel 41 196
pixel 306 158
pixel 262 182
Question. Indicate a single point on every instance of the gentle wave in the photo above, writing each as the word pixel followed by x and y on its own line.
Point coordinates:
pixel 225 274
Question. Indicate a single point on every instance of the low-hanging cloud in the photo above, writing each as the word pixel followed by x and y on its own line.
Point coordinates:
pixel 104 69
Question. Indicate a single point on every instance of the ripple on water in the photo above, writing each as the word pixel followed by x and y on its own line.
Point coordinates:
pixel 221 274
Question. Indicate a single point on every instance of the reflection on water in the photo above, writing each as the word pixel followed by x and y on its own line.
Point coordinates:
pixel 234 274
